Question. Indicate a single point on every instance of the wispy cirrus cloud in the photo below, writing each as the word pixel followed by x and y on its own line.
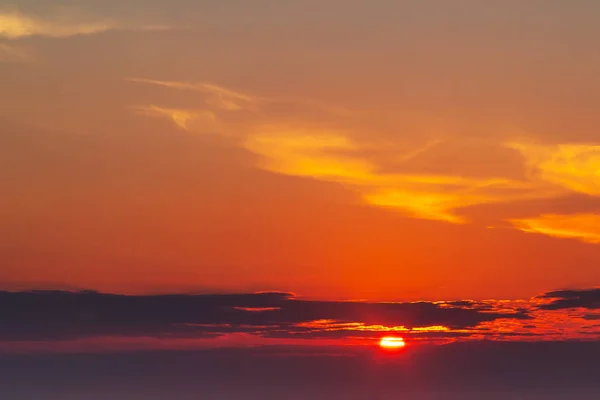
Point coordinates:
pixel 584 227
pixel 575 167
pixel 571 168
pixel 183 118
pixel 289 147
pixel 228 99
pixel 16 24
pixel 334 152
pixel 318 154
pixel 218 96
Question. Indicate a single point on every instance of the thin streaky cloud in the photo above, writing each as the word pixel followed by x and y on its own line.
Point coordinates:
pixel 15 24
pixel 584 227
pixel 418 151
pixel 316 154
pixel 233 100
pixel 573 166
pixel 336 156
pixel 222 98
pixel 183 118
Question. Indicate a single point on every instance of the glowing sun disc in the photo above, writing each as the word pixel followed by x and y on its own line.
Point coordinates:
pixel 392 343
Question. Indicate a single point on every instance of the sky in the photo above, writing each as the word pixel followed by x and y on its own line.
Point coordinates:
pixel 302 172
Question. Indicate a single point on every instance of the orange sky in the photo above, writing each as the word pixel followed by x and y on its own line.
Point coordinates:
pixel 390 151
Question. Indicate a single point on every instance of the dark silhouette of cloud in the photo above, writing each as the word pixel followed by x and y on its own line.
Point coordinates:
pixel 60 315
pixel 563 299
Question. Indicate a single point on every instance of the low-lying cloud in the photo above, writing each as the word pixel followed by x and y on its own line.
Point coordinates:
pixel 48 316
pixel 564 299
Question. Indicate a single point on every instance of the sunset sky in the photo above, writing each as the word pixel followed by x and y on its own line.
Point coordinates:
pixel 184 175
pixel 397 151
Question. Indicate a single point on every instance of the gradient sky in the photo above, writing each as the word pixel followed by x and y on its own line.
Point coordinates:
pixel 226 199
pixel 384 150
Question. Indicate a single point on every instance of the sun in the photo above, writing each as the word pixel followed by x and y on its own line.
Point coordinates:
pixel 391 343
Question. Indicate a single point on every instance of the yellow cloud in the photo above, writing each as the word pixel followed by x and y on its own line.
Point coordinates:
pixel 182 118
pixel 16 24
pixel 575 167
pixel 426 205
pixel 334 156
pixel 328 156
pixel 584 227
pixel 305 153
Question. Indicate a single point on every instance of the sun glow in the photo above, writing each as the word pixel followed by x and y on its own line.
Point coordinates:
pixel 389 342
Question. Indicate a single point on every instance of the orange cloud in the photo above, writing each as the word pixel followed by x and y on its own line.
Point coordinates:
pixel 571 168
pixel 584 227
pixel 310 153
pixel 575 167
pixel 335 155
pixel 332 156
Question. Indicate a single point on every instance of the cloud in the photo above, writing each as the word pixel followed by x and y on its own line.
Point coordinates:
pixel 584 227
pixel 572 168
pixel 563 299
pixel 36 320
pixel 333 156
pixel 15 24
pixel 575 167
pixel 219 97
pixel 232 100
pixel 59 315
pixel 383 174
pixel 182 117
